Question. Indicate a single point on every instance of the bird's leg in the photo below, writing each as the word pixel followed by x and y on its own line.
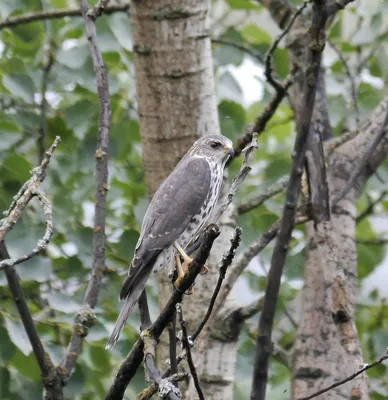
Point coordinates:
pixel 181 274
pixel 187 260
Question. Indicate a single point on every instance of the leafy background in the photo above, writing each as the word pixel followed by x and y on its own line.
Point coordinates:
pixel 55 282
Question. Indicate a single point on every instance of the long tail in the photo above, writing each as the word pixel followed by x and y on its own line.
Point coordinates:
pixel 135 286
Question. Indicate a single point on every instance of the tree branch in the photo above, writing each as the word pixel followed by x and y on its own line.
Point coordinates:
pixel 52 379
pixel 85 317
pixel 186 346
pixel 266 194
pixel 363 163
pixel 25 194
pixel 132 361
pixel 42 244
pixel 223 265
pixel 263 340
pixel 352 80
pixel 54 14
pixel 348 379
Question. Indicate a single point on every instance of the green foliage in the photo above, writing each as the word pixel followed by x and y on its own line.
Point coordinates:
pixel 55 281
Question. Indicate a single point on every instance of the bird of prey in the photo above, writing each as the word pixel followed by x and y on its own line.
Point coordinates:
pixel 179 211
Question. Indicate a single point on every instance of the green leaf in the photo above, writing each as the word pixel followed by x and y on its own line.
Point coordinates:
pixel 232 118
pixel 243 4
pixel 20 86
pixel 10 131
pixel 74 57
pixel 36 269
pixel 16 168
pixel 253 34
pixel 121 28
pixel 18 335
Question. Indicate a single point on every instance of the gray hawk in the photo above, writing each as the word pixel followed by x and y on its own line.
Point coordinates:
pixel 179 211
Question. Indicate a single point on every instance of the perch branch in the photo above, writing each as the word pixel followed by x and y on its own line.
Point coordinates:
pixel 132 361
pixel 54 14
pixel 85 317
pixel 148 392
pixel 187 346
pixel 348 379
pixel 264 335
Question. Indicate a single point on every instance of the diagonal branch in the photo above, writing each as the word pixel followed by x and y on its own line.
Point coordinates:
pixel 186 345
pixel 133 360
pixel 85 318
pixel 264 336
pixel 55 14
pixel 363 163
pixel 347 379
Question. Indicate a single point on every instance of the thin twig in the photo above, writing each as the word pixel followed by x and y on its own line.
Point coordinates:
pixel 240 46
pixel 223 265
pixel 371 206
pixel 373 242
pixel 187 346
pixel 165 388
pixel 255 248
pixel 131 363
pixel 352 80
pixel 337 6
pixel 263 118
pixel 264 335
pixel 148 392
pixel 172 344
pixel 362 164
pixel 278 86
pixel 239 178
pixel 85 318
pixel 55 14
pixel 26 193
pixel 42 243
pixel 348 379
pixel 52 380
pixel 269 192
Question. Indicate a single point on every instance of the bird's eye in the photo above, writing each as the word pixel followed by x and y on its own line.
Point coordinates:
pixel 215 145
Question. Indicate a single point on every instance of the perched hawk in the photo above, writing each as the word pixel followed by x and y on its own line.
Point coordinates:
pixel 179 211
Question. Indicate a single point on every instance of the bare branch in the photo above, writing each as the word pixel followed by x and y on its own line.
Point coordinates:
pixel 223 265
pixel 147 393
pixel 336 6
pixel 373 242
pixel 172 345
pixel 25 194
pixel 132 361
pixel 239 178
pixel 263 340
pixel 252 251
pixel 85 318
pixel 55 14
pixel 42 244
pixel 371 206
pixel 352 80
pixel 165 387
pixel 187 347
pixel 363 163
pixel 266 194
pixel 349 378
pixel 268 58
pixel 240 46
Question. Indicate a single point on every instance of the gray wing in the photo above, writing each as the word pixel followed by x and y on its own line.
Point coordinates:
pixel 178 199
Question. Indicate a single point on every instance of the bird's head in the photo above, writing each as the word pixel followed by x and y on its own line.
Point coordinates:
pixel 216 147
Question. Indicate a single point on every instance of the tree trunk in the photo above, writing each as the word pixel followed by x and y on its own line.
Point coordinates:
pixel 177 104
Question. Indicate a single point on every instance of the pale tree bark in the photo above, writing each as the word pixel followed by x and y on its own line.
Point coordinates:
pixel 327 347
pixel 177 104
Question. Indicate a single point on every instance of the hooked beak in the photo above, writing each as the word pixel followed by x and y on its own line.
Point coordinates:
pixel 230 150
